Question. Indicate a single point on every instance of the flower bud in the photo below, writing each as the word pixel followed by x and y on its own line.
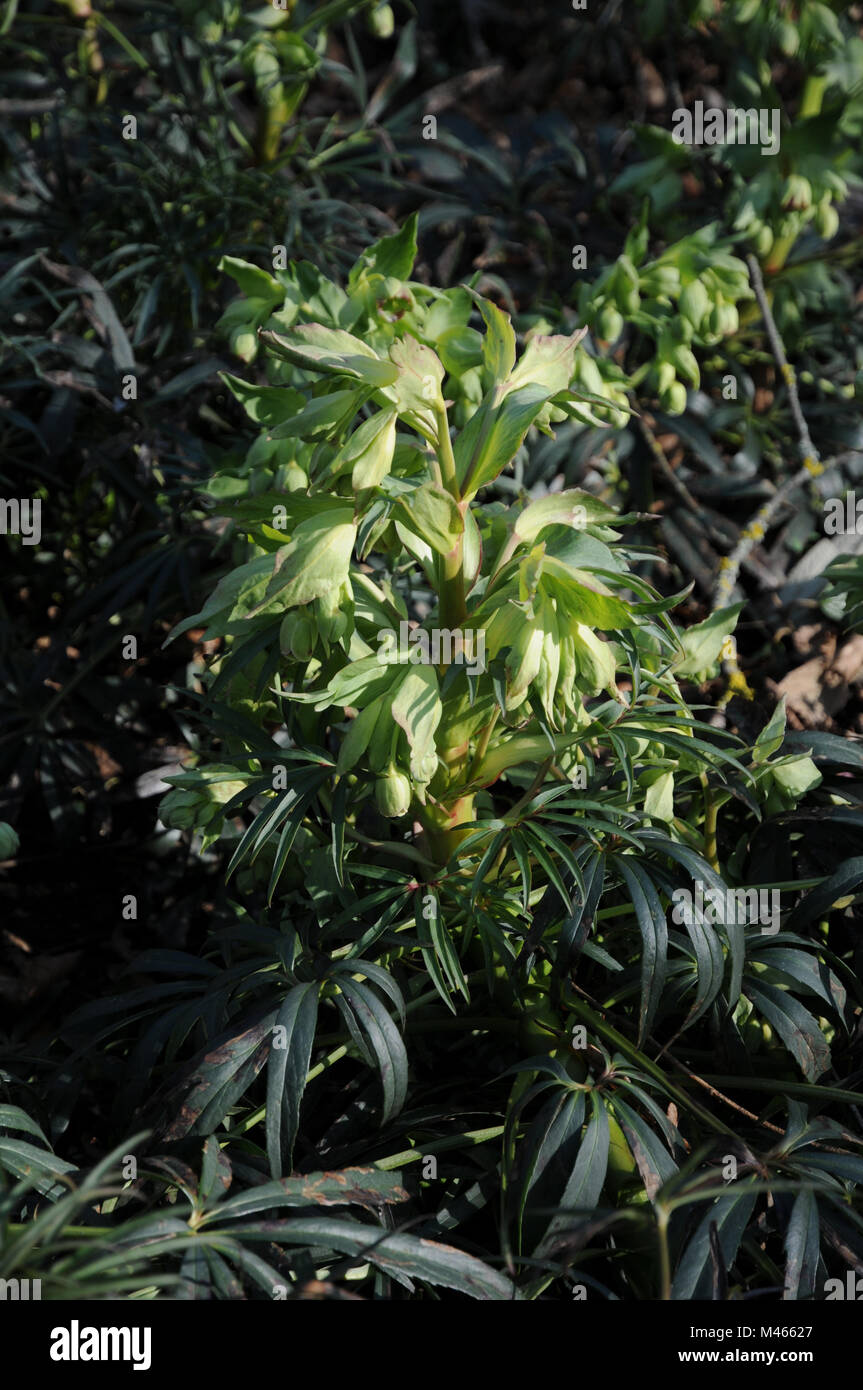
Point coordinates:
pixel 297 635
pixel 797 192
pixel 694 303
pixel 596 668
pixel 381 22
pixel 673 398
pixel 826 219
pixel 393 792
pixel 609 323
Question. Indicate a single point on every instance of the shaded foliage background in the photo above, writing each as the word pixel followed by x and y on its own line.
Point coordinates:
pixel 109 266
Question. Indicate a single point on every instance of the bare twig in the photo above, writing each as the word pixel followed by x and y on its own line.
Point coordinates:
pixel 754 532
pixel 811 465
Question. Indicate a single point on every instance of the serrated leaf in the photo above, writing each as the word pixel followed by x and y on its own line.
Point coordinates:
pixel 315 562
pixel 433 514
pixel 571 508
pixel 702 643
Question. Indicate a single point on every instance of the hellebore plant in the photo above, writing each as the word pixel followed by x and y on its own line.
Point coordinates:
pixel 517 816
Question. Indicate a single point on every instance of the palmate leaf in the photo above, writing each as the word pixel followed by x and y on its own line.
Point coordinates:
pixel 265 405
pixel 235 593
pixel 798 1029
pixel 323 417
pixel 493 436
pixel 802 1247
pixel 730 1215
pixel 316 348
pixel 800 967
pixel 576 926
pixel 314 563
pixel 404 1257
pixel 430 512
pixel 287 1070
pixel 561 508
pixel 498 344
pixel 585 1184
pixel 288 806
pixel 383 1045
pixel 39 1166
pixel 216 1080
pixel 355 965
pixel 846 880
pixel 392 256
pixel 363 1187
pixel 650 916
pixel 537 841
pixel 438 953
pixel 545 1150
pixel 698 868
pixel 654 1162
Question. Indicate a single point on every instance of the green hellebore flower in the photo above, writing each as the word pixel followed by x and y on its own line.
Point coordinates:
pixel 596 668
pixel 609 323
pixel 826 219
pixel 673 398
pixel 393 792
pixel 183 810
pixel 199 807
pixel 694 303
pixel 297 635
pixel 381 22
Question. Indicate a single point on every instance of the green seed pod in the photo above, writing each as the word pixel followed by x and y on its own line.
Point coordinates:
pixel 724 320
pixel 9 841
pixel 523 662
pixel 673 398
pixel 393 792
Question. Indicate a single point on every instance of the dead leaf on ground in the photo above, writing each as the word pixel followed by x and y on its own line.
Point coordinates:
pixel 816 691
